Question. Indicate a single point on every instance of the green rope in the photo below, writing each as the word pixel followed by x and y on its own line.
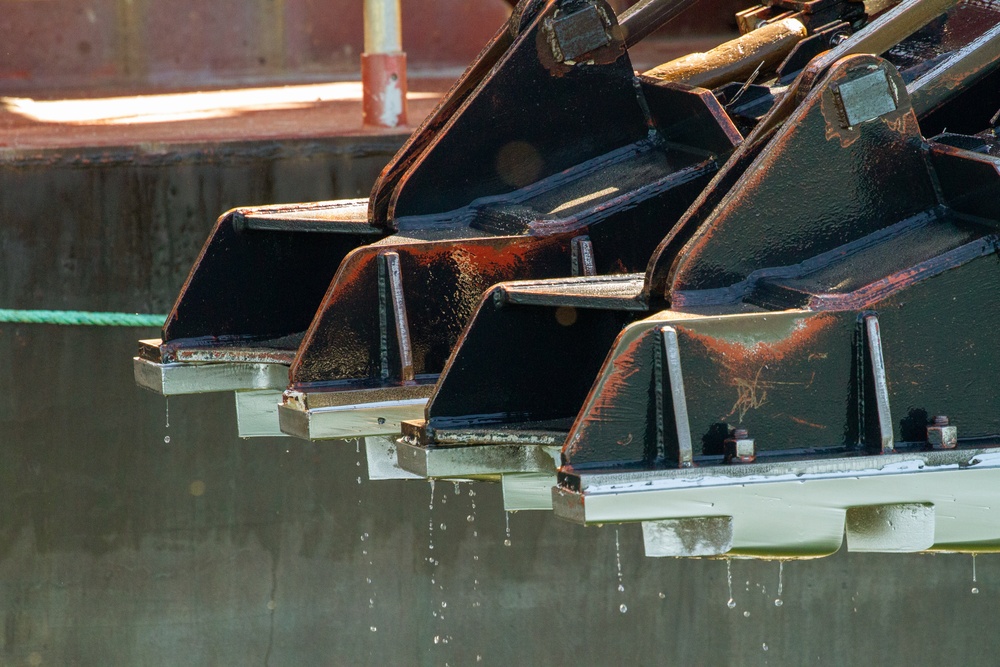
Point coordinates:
pixel 80 317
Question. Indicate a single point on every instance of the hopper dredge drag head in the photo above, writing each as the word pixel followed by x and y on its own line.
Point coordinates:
pixel 743 397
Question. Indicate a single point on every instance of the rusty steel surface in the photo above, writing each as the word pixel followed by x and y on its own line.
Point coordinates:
pixel 542 186
pixel 786 365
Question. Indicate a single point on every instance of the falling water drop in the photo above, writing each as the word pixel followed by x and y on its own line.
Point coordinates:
pixel 662 596
pixel 506 518
pixel 746 614
pixel 166 439
pixel 781 573
pixel 764 646
pixel 622 608
pixel 373 629
pixel 457 490
pixel 729 581
pixel 975 589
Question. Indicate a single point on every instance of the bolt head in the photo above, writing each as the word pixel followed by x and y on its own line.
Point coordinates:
pixel 942 437
pixel 740 450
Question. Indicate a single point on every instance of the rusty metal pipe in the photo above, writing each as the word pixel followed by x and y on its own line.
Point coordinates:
pixel 647 16
pixel 735 59
pixel 383 65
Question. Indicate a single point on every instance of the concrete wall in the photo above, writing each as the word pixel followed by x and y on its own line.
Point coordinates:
pixel 119 229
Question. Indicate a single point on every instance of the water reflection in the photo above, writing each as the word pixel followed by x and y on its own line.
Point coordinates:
pixel 119 548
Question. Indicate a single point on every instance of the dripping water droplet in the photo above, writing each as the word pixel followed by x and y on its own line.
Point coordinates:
pixel 622 608
pixel 729 581
pixel 781 582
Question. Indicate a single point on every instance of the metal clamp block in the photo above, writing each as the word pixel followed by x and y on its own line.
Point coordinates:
pixel 940 435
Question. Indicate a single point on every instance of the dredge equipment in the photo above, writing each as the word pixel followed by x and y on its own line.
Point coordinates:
pixel 835 267
pixel 548 158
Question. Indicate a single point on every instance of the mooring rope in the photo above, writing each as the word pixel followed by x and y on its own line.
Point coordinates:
pixel 81 318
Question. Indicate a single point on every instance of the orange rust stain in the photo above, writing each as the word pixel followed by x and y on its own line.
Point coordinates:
pixel 603 396
pixel 746 367
pixel 805 423
pixel 805 333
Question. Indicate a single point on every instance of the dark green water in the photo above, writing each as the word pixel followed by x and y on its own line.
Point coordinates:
pixel 117 548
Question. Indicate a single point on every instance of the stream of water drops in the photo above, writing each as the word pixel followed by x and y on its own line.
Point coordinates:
pixel 471 518
pixel 366 543
pixel 623 608
pixel 975 589
pixel 166 438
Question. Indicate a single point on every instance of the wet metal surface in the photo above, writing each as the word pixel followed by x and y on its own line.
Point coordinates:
pixel 119 548
pixel 193 378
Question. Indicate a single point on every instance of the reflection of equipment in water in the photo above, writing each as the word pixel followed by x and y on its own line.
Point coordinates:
pixel 832 273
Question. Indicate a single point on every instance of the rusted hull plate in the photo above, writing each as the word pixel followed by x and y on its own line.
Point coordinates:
pixel 257 413
pixel 477 460
pixel 358 420
pixel 933 501
pixel 193 378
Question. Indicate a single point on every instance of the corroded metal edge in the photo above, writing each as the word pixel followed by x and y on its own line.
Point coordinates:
pixel 527 491
pixel 476 460
pixel 776 515
pixel 348 421
pixel 257 413
pixel 188 378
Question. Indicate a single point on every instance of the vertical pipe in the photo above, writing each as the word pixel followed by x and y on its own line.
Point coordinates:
pixel 383 65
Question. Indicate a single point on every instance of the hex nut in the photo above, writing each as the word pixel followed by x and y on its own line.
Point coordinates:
pixel 942 437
